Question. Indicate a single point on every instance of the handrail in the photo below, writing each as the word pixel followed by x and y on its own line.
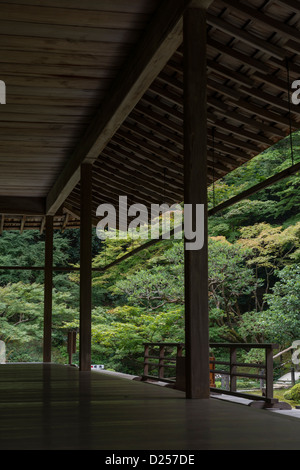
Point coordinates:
pixel 233 373
pixel 166 359
pixel 163 361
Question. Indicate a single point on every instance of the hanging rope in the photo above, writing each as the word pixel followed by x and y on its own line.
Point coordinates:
pixel 290 109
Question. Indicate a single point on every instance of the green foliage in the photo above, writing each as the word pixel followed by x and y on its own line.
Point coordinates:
pixel 21 318
pixel 287 395
pixel 280 321
pixel 118 334
pixel 293 394
pixel 158 283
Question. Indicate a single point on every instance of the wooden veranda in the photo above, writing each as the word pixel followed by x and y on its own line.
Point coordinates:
pixel 152 99
pixel 54 407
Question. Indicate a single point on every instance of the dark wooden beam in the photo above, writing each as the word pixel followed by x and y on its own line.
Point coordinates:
pixel 160 41
pixel 22 205
pixel 85 268
pixel 292 4
pixel 48 286
pixel 255 189
pixel 195 192
pixel 243 58
pixel 2 223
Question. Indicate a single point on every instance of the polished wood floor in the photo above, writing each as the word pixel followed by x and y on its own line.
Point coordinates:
pixel 58 407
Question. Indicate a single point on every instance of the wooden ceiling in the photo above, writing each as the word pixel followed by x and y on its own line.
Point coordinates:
pixel 62 62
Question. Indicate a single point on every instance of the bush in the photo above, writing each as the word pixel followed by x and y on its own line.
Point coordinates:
pixel 287 395
pixel 293 394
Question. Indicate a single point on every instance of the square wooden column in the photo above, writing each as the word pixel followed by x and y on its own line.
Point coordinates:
pixel 85 268
pixel 195 192
pixel 48 286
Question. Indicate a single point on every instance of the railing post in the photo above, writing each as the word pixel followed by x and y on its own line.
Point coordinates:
pixel 161 362
pixel 233 369
pixel 71 345
pixel 293 379
pixel 269 373
pixel 179 350
pixel 146 356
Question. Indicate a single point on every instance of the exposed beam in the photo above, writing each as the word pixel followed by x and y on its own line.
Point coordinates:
pixel 292 4
pixel 255 189
pixel 292 46
pixel 160 41
pixel 247 38
pixel 261 17
pixel 2 223
pixel 222 109
pixel 243 58
pixel 22 205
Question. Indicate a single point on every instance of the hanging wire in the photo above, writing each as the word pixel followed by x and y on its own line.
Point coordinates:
pixel 290 108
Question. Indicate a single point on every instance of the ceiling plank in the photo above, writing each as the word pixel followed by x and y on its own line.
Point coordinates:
pixel 161 39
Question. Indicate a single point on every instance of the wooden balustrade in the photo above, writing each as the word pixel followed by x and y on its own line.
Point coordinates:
pixel 166 357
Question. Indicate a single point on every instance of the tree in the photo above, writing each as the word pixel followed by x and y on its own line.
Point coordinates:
pixel 161 283
pixel 231 284
pixel 118 334
pixel 271 248
pixel 280 322
pixel 21 319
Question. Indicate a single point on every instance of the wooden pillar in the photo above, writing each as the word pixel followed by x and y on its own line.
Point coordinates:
pixel 195 192
pixel 48 286
pixel 85 268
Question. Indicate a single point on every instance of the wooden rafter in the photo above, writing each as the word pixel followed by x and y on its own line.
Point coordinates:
pixel 159 43
pixel 261 17
pixel 246 37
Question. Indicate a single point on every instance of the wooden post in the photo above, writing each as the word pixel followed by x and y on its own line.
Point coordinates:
pixel 71 345
pixel 48 286
pixel 269 373
pixel 233 369
pixel 85 267
pixel 146 360
pixel 195 192
pixel 161 367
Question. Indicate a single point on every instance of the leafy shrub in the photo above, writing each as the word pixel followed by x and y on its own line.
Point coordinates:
pixel 287 395
pixel 293 394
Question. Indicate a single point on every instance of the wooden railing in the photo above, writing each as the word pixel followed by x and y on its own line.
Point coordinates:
pixel 265 369
pixel 161 357
pixel 166 358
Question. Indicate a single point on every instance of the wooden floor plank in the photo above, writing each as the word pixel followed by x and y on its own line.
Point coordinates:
pixel 58 407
